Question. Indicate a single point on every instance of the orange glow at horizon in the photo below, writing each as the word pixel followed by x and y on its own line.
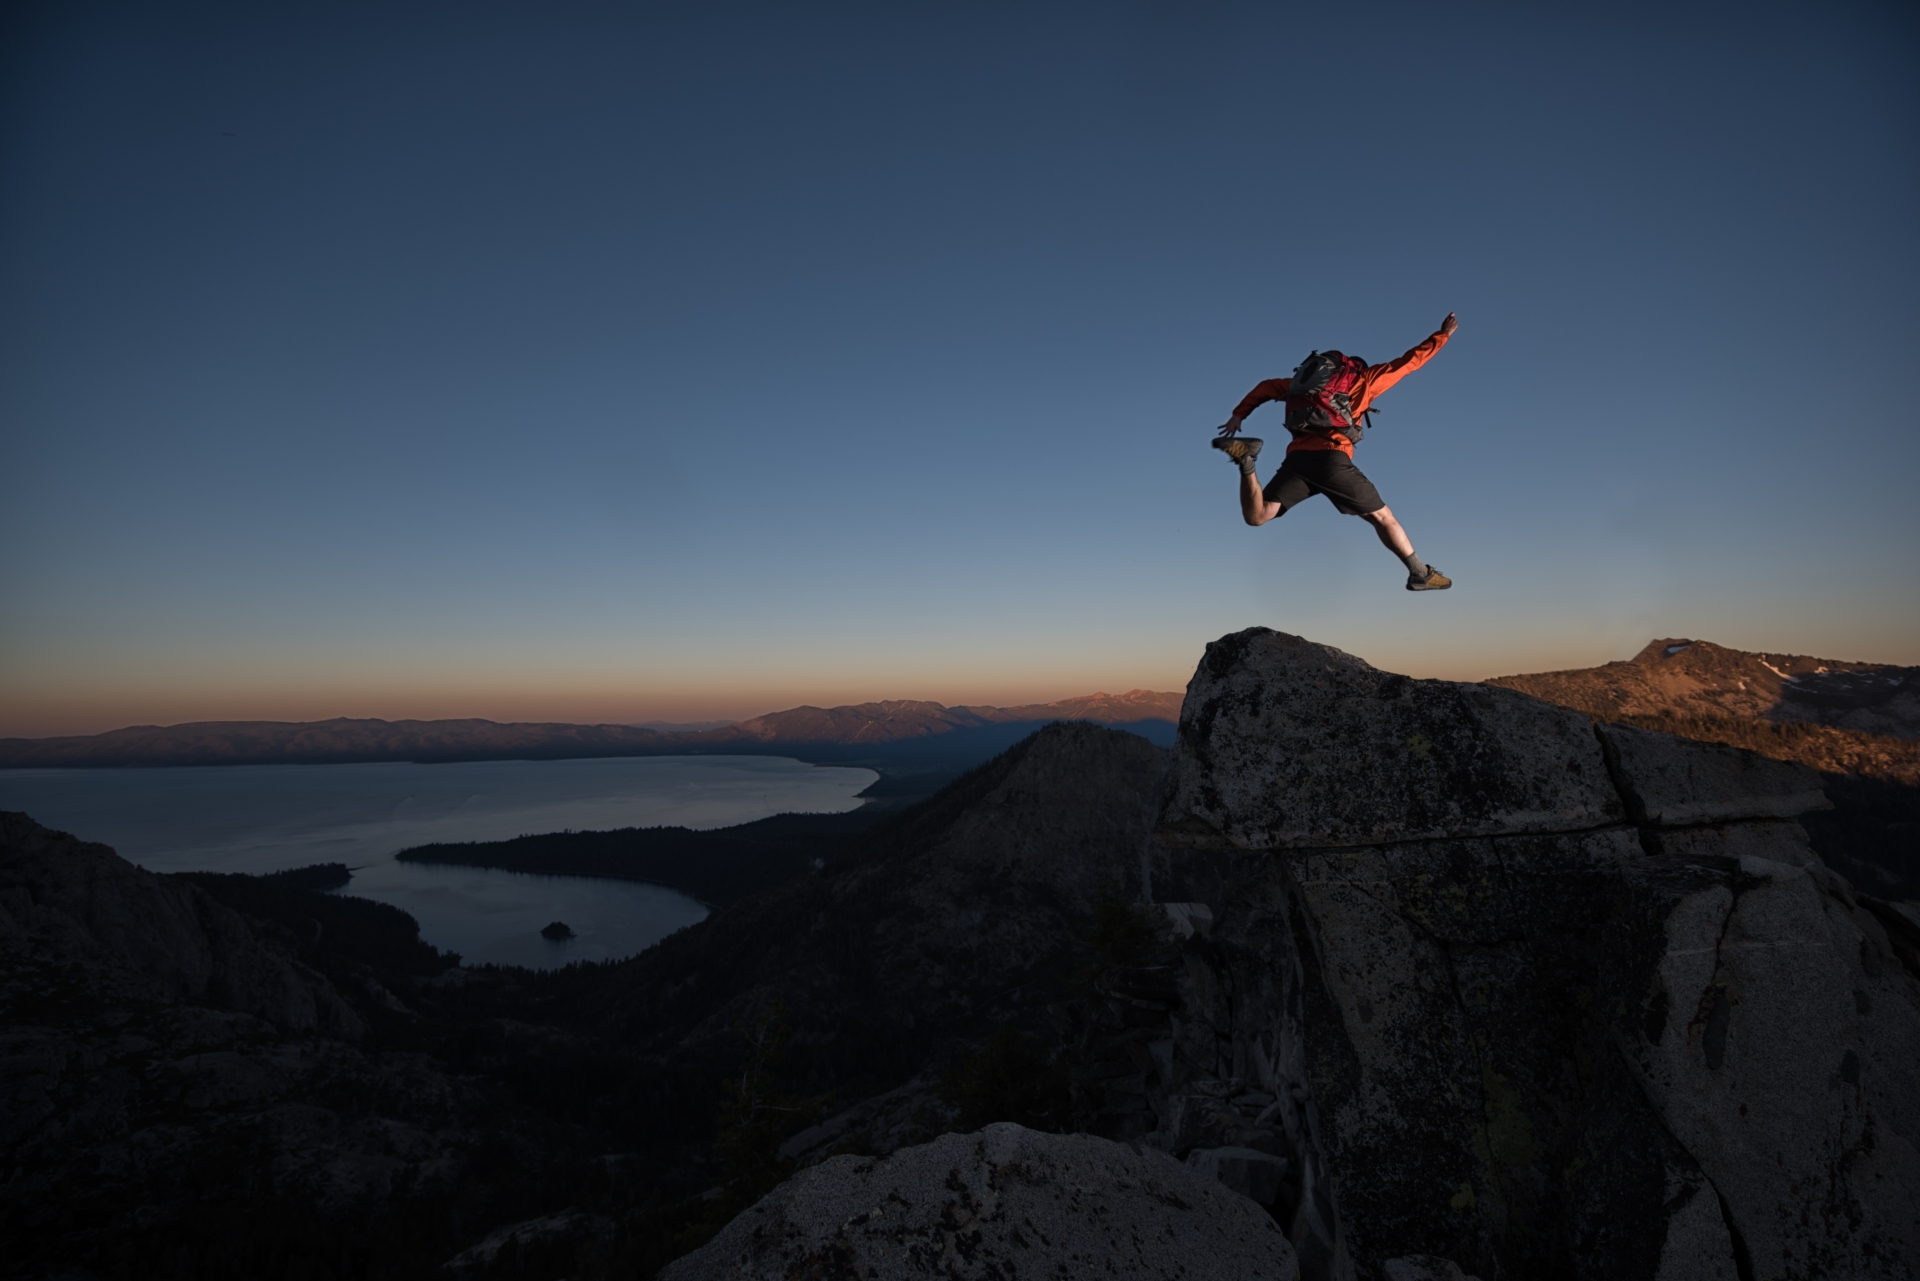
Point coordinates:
pixel 73 698
pixel 99 711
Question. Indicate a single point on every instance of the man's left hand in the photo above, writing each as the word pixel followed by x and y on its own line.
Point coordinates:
pixel 1232 426
pixel 1448 325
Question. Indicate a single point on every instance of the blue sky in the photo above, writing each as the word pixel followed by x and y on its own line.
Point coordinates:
pixel 613 363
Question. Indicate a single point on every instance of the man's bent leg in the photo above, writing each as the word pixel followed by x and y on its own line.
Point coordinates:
pixel 1421 577
pixel 1254 507
pixel 1391 535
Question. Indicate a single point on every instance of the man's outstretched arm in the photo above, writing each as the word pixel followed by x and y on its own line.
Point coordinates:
pixel 1271 389
pixel 1381 377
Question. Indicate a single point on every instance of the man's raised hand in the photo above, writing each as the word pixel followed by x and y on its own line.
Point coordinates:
pixel 1448 325
pixel 1231 427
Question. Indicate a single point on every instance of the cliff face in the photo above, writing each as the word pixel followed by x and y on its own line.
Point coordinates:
pixel 1539 997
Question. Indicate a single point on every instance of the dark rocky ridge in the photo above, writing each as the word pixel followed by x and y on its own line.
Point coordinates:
pixel 294 1086
pixel 925 934
pixel 716 866
pixel 165 1058
pixel 81 910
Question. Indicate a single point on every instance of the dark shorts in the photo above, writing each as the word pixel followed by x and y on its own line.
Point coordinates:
pixel 1307 472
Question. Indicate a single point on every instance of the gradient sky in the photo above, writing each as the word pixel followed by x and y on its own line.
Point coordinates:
pixel 617 362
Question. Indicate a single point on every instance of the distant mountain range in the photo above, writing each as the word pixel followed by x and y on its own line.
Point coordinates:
pixel 913 735
pixel 1695 678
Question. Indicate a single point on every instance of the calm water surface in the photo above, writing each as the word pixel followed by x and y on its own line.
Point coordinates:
pixel 262 818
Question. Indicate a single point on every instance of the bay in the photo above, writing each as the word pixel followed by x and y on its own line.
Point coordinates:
pixel 265 818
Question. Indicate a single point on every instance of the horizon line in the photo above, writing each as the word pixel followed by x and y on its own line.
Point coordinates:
pixel 651 727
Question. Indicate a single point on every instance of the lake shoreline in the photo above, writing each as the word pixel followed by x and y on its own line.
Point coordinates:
pixel 715 867
pixel 263 819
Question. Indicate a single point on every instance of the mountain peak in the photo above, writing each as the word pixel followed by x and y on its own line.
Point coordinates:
pixel 1688 677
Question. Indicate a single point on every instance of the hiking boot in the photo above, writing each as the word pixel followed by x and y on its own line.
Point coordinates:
pixel 1435 581
pixel 1242 449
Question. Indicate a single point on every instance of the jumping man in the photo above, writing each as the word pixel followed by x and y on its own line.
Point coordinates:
pixel 1327 401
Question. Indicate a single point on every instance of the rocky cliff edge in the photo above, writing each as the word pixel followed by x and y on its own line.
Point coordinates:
pixel 1539 996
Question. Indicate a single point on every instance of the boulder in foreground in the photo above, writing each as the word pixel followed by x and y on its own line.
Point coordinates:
pixel 1005 1202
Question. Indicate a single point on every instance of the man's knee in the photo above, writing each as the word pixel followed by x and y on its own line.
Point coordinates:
pixel 1380 516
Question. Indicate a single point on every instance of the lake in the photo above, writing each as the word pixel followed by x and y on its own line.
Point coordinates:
pixel 263 818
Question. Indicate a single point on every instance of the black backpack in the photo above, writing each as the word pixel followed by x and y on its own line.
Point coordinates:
pixel 1319 398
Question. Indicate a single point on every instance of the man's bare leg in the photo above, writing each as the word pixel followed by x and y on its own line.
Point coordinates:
pixel 1254 507
pixel 1421 577
pixel 1391 535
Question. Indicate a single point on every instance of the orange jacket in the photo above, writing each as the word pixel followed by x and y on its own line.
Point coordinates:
pixel 1376 380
